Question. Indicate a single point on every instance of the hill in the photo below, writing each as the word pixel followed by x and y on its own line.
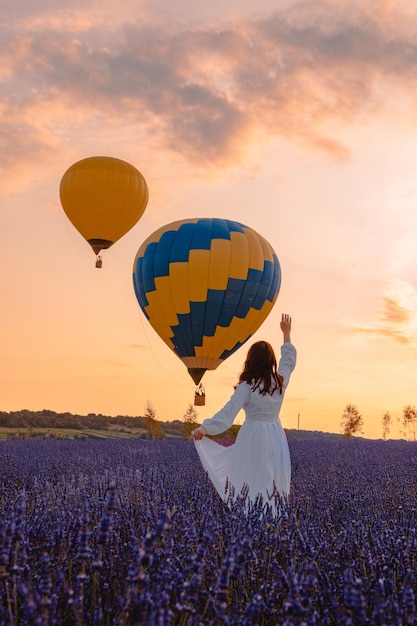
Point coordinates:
pixel 47 423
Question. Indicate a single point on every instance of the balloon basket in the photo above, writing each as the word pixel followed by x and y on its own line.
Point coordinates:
pixel 200 396
pixel 99 262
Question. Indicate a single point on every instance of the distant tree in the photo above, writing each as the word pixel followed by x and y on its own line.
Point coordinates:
pixel 190 419
pixel 351 421
pixel 409 421
pixel 153 427
pixel 386 423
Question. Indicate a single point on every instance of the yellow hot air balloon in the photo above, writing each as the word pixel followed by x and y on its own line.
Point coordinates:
pixel 103 197
pixel 206 285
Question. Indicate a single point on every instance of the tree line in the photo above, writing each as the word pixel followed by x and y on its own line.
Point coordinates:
pixel 352 422
pixel 153 428
pixel 149 423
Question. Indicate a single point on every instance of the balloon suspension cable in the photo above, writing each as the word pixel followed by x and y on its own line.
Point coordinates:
pixel 156 356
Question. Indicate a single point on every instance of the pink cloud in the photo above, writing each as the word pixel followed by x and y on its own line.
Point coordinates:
pixel 208 93
pixel 383 332
pixel 394 313
pixel 392 324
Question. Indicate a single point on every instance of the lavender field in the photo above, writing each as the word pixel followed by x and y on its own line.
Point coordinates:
pixel 131 532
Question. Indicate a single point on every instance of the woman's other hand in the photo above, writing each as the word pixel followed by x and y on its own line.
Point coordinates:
pixel 198 433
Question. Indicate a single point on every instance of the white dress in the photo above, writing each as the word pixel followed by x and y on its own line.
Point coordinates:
pixel 258 463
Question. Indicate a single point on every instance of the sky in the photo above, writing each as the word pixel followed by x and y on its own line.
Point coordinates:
pixel 298 119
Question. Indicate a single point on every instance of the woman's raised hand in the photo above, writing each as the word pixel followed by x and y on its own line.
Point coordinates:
pixel 286 326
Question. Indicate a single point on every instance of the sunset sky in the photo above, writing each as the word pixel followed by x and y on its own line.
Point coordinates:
pixel 298 119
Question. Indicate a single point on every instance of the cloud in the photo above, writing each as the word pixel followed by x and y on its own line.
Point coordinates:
pixel 394 313
pixel 205 93
pixel 391 333
pixel 398 319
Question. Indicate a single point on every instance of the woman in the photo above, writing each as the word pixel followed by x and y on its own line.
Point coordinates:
pixel 258 464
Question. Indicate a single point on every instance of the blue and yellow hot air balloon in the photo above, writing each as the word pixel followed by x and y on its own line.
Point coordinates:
pixel 103 197
pixel 205 285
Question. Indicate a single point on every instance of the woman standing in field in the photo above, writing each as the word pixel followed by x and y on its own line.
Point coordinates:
pixel 258 464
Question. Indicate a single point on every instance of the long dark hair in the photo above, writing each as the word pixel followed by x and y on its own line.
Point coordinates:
pixel 260 369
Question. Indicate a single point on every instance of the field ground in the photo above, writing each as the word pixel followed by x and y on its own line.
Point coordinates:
pixel 125 432
pixel 117 532
pixel 72 433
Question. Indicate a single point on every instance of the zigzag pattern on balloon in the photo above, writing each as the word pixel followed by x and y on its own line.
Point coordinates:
pixel 205 286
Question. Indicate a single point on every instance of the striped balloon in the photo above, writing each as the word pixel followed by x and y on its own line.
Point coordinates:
pixel 205 285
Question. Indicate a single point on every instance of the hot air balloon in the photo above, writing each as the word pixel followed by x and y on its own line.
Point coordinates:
pixel 205 285
pixel 103 197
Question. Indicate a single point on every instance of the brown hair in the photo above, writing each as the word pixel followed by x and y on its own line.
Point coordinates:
pixel 260 369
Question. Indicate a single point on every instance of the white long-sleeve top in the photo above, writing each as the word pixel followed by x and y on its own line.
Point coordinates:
pixel 258 407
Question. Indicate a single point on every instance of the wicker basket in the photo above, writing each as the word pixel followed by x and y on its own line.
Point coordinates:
pixel 199 399
pixel 200 396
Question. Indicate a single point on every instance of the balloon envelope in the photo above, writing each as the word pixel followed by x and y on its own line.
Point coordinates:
pixel 103 197
pixel 206 285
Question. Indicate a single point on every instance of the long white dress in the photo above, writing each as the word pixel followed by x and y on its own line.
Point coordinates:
pixel 258 463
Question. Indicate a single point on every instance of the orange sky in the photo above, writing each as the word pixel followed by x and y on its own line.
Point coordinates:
pixel 296 119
